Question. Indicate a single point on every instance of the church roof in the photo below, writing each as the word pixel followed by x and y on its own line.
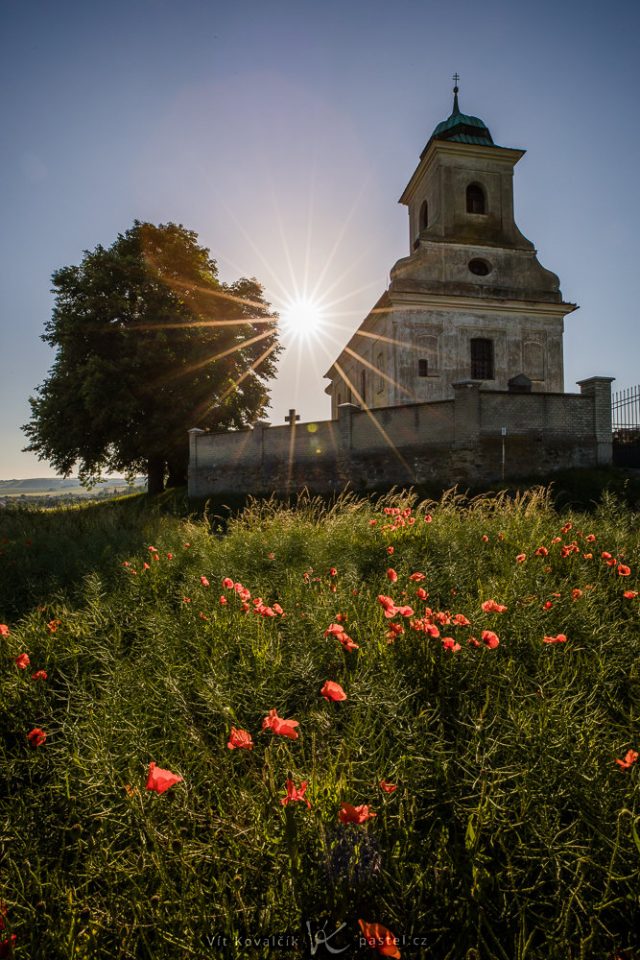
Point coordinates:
pixel 461 128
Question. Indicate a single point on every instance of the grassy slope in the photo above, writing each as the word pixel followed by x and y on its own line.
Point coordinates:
pixel 512 833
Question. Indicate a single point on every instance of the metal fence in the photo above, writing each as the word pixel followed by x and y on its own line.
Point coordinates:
pixel 625 413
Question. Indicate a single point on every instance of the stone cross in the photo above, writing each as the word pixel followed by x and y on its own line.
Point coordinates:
pixel 293 416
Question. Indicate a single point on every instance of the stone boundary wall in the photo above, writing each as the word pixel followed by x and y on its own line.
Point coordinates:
pixel 446 442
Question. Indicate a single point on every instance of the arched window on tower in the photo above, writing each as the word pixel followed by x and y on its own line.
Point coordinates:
pixel 475 199
pixel 424 216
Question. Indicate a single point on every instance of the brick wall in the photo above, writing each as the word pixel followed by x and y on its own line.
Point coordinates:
pixel 452 441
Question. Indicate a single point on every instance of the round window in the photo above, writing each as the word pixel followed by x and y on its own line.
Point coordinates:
pixel 480 267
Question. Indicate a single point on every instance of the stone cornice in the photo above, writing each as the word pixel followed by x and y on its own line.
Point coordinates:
pixel 485 305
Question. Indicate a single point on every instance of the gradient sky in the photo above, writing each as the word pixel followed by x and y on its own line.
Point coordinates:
pixel 283 133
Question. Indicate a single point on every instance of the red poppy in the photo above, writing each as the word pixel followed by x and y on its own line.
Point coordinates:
pixel 450 644
pixel 204 581
pixel 388 787
pixel 284 728
pixel 223 600
pixel 541 552
pixel 169 556
pixel 547 605
pixel 473 641
pixel 380 939
pixel 53 625
pixel 152 549
pixel 203 616
pixel 333 691
pixel 630 594
pixel 418 577
pixel 624 570
pixel 278 609
pixel 372 523
pixel 160 780
pixel 485 538
pixel 630 758
pixel 461 621
pixel 36 737
pixel 333 572
pixel 428 518
pixel 590 538
pixel 576 593
pixel 39 675
pixel 491 606
pixel 186 599
pixel 360 814
pixel 431 630
pixel 388 606
pixel 347 642
pixel 240 740
pixel 560 638
pixel 490 639
pixel 22 661
pixel 392 576
pixel 390 550
pixel 422 594
pixel 295 793
pixel 146 566
pixel 227 583
pixel 4 630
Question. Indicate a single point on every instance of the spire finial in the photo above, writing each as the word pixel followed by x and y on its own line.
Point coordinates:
pixel 456 108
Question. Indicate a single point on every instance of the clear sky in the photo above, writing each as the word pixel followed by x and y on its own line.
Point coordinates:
pixel 283 133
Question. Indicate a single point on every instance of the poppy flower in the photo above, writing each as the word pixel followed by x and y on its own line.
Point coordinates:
pixel 278 609
pixel 373 523
pixel 418 577
pixel 630 594
pixel 422 594
pixel 161 780
pixel 227 583
pixel 36 737
pixel 333 691
pixel 473 641
pixel 491 606
pixel 240 740
pixel 284 728
pixel 22 661
pixel 146 566
pixel 559 638
pixel 347 642
pixel 431 630
pixel 4 630
pixel 152 549
pixel 576 593
pixel 590 538
pixel 450 644
pixel 359 814
pixel 223 600
pixel 204 581
pixel 461 621
pixel 295 793
pixel 39 675
pixel 169 556
pixel 390 550
pixel 388 606
pixel 380 939
pixel 547 605
pixel 630 758
pixel 53 625
pixel 490 639
pixel 485 538
pixel 388 787
pixel 541 552
pixel 624 570
pixel 333 572
pixel 392 576
pixel 428 518
pixel 186 599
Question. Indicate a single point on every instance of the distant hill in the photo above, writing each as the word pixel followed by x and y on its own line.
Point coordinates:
pixel 56 485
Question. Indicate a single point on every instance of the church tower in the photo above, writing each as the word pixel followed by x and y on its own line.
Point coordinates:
pixel 471 301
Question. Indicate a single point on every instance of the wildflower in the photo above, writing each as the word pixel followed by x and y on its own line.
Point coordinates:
pixel 576 593
pixel 203 616
pixel 450 644
pixel 587 556
pixel 431 630
pixel 567 527
pixel 227 583
pixel 560 638
pixel 360 814
pixel 521 558
pixel 392 576
pixel 169 556
pixel 422 594
pixel 388 606
pixel 186 545
pixel 485 538
pixel 284 728
pixel 630 594
pixel 146 566
pixel 333 691
pixel 278 609
pixel 461 621
pixel 373 523
pixel 418 577
pixel 390 550
pixel 630 758
pixel 204 581
pixel 4 630
pixel 473 641
pixel 490 639
pixel 428 518
pixel 490 606
pixel 380 939
pixel 333 572
pixel 161 780
pixel 388 787
pixel 547 605
pixel 22 661
pixel 340 617
pixel 223 600
pixel 541 552
pixel 152 549
pixel 240 740
pixel 624 570
pixel 395 629
pixel 590 538
pixel 295 793
pixel 186 599
pixel 53 625
pixel 347 642
pixel 39 675
pixel 36 737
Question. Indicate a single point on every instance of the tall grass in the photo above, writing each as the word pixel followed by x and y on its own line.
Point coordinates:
pixel 512 832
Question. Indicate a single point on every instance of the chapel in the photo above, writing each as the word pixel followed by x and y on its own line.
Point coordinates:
pixel 471 301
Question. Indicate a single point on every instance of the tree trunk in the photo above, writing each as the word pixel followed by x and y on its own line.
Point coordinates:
pixel 177 472
pixel 155 475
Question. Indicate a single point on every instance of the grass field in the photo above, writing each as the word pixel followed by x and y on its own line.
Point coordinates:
pixel 465 795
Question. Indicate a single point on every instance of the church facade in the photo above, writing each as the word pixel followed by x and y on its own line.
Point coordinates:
pixel 456 374
pixel 471 301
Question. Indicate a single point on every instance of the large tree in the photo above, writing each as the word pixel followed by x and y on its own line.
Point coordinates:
pixel 149 344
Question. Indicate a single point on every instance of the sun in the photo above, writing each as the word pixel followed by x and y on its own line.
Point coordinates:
pixel 303 318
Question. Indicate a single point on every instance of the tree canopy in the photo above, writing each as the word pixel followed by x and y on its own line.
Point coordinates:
pixel 149 344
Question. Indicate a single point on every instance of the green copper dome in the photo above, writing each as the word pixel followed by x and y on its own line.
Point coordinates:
pixel 461 128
